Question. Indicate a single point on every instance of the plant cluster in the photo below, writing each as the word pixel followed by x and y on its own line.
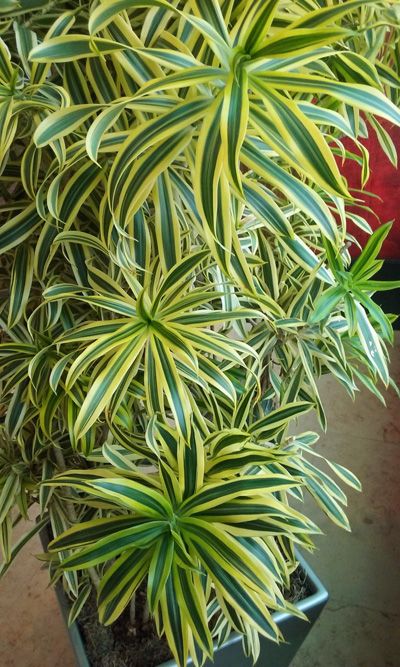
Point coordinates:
pixel 175 277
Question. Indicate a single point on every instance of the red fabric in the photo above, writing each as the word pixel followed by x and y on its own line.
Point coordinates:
pixel 384 181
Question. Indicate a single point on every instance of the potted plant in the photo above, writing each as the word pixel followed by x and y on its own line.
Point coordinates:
pixel 175 277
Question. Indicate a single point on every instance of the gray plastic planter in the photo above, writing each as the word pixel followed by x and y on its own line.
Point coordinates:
pixel 231 654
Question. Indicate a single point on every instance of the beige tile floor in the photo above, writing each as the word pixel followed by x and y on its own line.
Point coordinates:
pixel 361 625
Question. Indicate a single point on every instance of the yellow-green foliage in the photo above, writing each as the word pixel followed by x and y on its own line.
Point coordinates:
pixel 174 279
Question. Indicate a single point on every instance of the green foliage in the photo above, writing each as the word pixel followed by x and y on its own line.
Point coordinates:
pixel 175 278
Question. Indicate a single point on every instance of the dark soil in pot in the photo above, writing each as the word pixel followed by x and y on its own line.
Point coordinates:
pixel 122 644
pixel 126 645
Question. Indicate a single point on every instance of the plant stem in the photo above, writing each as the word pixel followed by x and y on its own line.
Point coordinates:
pixel 70 509
pixel 146 613
pixel 132 613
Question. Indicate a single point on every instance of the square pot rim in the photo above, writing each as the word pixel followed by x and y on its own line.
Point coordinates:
pixel 318 597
